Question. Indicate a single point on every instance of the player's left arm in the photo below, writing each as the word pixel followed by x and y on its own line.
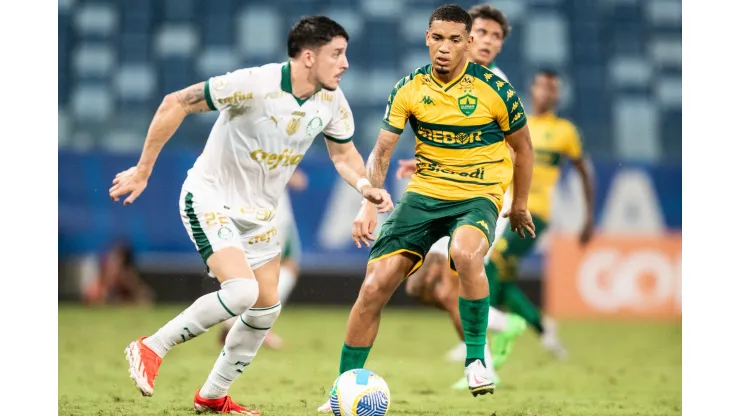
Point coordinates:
pixel 509 113
pixel 520 143
pixel 584 168
pixel 347 160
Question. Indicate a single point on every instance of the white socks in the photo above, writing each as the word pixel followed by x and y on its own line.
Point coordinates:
pixel 487 355
pixel 235 297
pixel 286 283
pixel 497 320
pixel 242 343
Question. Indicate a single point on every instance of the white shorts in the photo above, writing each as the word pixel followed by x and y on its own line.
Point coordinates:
pixel 287 229
pixel 212 226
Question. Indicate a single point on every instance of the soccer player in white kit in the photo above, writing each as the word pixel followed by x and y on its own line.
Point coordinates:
pixel 269 116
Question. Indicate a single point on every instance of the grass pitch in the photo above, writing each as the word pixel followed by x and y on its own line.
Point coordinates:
pixel 614 368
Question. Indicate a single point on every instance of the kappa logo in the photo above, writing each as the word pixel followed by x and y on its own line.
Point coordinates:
pixel 483 224
pixel 427 100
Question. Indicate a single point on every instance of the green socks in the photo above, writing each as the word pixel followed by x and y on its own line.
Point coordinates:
pixel 494 292
pixel 474 317
pixel 353 357
pixel 517 302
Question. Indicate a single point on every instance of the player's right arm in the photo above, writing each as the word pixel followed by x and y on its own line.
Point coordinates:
pixel 376 171
pixel 394 120
pixel 170 114
pixel 216 94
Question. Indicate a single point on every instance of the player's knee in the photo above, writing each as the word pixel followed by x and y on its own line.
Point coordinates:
pixel 413 285
pixel 263 318
pixel 239 294
pixel 376 290
pixel 465 259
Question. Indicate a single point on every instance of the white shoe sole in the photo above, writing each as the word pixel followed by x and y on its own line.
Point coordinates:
pixel 133 355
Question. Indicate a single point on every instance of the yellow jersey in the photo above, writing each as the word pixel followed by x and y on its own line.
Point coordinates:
pixel 552 138
pixel 459 128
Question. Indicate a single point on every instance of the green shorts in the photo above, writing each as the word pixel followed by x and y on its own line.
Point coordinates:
pixel 510 247
pixel 418 221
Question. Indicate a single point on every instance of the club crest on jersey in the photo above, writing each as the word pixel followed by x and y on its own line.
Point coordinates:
pixel 467 104
pixel 293 125
pixel 225 233
pixel 467 84
pixel 314 126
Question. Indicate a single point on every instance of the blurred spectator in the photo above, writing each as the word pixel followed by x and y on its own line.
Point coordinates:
pixel 119 281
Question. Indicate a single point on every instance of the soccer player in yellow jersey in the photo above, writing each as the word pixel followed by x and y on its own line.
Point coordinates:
pixel 554 139
pixel 463 116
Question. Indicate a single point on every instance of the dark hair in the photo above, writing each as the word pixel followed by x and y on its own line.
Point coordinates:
pixel 486 11
pixel 313 32
pixel 452 13
pixel 547 72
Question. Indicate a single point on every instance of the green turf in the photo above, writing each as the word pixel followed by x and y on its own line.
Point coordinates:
pixel 614 368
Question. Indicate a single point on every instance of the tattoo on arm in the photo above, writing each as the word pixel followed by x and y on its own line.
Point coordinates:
pixel 192 99
pixel 377 164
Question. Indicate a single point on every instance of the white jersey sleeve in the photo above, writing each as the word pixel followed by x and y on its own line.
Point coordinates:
pixel 230 89
pixel 499 73
pixel 342 125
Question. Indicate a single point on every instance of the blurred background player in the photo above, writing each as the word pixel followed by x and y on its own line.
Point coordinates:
pixel 554 139
pixel 290 254
pixel 269 117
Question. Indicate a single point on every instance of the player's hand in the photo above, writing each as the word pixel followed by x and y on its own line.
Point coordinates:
pixel 587 232
pixel 132 181
pixel 520 220
pixel 379 197
pixel 364 224
pixel 406 168
pixel 298 181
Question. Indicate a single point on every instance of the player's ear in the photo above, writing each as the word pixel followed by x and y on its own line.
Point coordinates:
pixel 426 37
pixel 309 57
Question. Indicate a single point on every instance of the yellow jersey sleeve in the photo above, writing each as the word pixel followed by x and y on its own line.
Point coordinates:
pixel 397 111
pixel 573 147
pixel 508 110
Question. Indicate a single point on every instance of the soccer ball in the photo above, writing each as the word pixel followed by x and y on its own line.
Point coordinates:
pixel 360 392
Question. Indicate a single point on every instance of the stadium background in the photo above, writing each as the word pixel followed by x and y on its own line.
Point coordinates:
pixel 621 64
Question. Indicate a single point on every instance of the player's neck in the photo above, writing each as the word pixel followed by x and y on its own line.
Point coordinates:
pixel 301 85
pixel 446 78
pixel 542 111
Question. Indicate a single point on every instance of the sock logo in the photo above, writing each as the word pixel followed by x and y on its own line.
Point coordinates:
pixel 190 334
pixel 243 364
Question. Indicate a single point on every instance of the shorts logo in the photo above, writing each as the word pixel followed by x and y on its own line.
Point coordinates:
pixel 314 126
pixel 265 237
pixel 467 104
pixel 225 233
pixel 483 224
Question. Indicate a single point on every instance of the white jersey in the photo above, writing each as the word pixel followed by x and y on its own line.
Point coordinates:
pixel 261 135
pixel 498 72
